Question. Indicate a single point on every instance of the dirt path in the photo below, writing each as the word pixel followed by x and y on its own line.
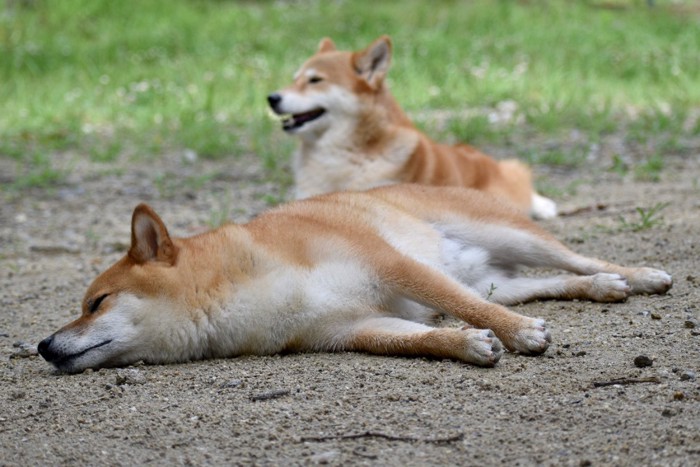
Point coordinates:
pixel 563 408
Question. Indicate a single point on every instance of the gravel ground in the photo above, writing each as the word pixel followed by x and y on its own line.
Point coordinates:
pixel 589 400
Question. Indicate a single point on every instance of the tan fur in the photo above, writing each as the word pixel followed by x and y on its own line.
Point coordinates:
pixel 374 143
pixel 359 271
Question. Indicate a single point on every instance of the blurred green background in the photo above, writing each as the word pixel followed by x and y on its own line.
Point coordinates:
pixel 106 78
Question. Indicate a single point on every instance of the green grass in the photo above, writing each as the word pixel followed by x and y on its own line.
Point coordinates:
pixel 102 76
pixel 648 218
pixel 650 170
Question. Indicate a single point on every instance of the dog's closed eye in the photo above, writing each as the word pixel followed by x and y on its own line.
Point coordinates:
pixel 315 79
pixel 94 305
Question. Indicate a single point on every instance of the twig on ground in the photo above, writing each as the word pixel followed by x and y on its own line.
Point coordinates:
pixel 270 395
pixel 361 451
pixel 624 381
pixel 374 434
pixel 576 211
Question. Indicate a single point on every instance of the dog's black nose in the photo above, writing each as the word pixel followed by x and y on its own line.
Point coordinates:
pixel 43 348
pixel 274 99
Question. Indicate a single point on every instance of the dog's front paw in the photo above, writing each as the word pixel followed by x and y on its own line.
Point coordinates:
pixel 531 339
pixel 483 347
pixel 650 281
pixel 609 288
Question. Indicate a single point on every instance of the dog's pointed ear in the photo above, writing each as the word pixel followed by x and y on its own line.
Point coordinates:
pixel 373 62
pixel 326 45
pixel 150 240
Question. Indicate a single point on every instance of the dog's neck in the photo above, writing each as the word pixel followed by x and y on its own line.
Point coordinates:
pixel 358 152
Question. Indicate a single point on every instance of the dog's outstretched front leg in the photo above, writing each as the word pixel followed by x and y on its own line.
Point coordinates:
pixel 437 290
pixel 395 336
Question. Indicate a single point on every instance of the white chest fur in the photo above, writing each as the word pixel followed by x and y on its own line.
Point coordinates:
pixel 335 163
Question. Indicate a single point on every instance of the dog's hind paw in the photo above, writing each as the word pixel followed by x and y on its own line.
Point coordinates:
pixel 482 347
pixel 650 281
pixel 531 339
pixel 542 208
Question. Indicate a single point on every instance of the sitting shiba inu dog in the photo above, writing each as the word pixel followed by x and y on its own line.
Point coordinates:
pixel 349 271
pixel 354 135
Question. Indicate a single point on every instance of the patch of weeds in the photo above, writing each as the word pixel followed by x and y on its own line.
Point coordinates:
pixel 650 170
pixel 105 153
pixel 271 160
pixel 11 148
pixel 598 122
pixel 653 125
pixel 14 267
pixel 492 289
pixel 40 173
pixel 561 158
pixel 543 118
pixel 198 181
pixel 619 166
pixel 648 218
pixel 671 144
pixel 201 133
pixel 267 141
pixel 566 158
pixel 477 128
pixel 551 191
pixel 165 184
pixel 273 199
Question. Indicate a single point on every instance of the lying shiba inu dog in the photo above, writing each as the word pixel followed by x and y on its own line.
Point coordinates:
pixel 354 135
pixel 363 271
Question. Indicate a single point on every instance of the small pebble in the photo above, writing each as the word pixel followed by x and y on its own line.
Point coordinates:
pixel 129 376
pixel 234 383
pixel 690 324
pixel 190 156
pixel 655 316
pixel 688 376
pixel 642 361
pixel 678 396
pixel 324 457
pixel 24 350
pixel 669 412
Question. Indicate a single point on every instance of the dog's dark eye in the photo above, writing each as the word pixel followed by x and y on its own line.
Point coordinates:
pixel 315 79
pixel 94 305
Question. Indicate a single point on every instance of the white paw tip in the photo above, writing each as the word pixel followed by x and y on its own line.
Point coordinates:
pixel 543 208
pixel 484 348
pixel 652 281
pixel 534 339
pixel 610 287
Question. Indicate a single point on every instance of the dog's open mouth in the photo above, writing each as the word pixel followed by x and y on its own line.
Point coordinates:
pixel 294 121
